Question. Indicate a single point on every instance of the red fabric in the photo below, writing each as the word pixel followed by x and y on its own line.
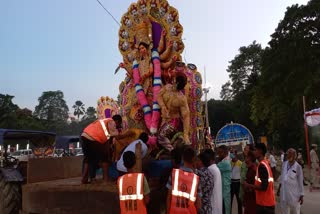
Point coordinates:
pixel 249 197
pixel 265 198
pixel 95 131
pixel 312 114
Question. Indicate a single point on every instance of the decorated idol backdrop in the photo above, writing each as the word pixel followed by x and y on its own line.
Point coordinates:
pixel 150 41
pixel 107 107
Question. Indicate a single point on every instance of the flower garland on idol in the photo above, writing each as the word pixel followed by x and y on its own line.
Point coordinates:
pixel 151 116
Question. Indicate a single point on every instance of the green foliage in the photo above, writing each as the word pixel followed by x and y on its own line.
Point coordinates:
pixel 78 109
pixel 88 118
pixel 236 94
pixel 52 106
pixel 290 70
pixel 7 111
pixel 45 119
pixel 220 112
pixel 226 91
pixel 25 120
pixel 243 71
pixel 90 113
pixel 273 81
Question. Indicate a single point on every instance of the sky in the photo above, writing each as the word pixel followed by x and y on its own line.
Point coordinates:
pixel 72 45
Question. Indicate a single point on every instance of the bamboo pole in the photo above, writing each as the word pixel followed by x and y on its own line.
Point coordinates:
pixel 138 153
pixel 306 133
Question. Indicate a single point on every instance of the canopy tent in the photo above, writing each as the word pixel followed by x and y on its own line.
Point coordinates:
pixel 36 137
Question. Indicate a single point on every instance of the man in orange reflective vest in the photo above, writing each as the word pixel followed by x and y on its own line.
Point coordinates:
pixel 95 145
pixel 184 189
pixel 133 188
pixel 265 199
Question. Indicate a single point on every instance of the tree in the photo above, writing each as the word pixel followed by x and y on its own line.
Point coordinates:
pixel 243 71
pixel 78 109
pixel 91 113
pixel 226 91
pixel 25 120
pixel 290 70
pixel 52 106
pixel 220 112
pixel 25 112
pixel 7 111
pixel 88 118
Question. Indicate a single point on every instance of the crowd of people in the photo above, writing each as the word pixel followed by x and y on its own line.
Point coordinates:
pixel 208 182
pixel 205 183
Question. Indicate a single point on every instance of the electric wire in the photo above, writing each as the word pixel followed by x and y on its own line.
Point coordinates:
pixel 108 12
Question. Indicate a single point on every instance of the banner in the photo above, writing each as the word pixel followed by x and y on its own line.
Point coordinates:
pixel 312 117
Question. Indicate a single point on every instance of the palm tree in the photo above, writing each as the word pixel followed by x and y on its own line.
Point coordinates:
pixel 78 109
pixel 91 113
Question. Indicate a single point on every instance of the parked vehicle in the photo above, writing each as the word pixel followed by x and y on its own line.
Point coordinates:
pixel 13 172
pixel 23 155
pixel 78 151
pixel 68 146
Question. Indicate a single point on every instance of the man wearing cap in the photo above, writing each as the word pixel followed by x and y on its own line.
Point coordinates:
pixel 314 181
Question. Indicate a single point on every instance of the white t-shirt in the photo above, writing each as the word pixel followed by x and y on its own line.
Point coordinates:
pixel 236 168
pixel 131 147
pixel 216 198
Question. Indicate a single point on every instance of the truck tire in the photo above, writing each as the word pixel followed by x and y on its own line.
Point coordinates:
pixel 10 197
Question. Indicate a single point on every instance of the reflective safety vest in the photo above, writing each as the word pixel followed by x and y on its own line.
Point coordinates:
pixel 131 193
pixel 98 130
pixel 265 198
pixel 184 192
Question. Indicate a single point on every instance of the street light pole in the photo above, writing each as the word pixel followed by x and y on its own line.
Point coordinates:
pixel 206 91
